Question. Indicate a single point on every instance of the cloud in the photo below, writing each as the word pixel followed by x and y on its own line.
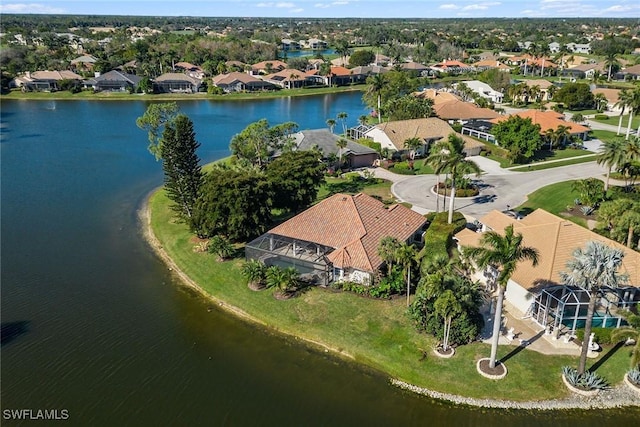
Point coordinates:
pixel 298 10
pixel 340 3
pixel 481 6
pixel 620 8
pixel 322 5
pixel 448 6
pixel 285 5
pixel 29 8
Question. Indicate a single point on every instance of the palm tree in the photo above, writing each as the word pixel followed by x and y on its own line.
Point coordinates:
pixel 284 280
pixel 376 85
pixel 332 124
pixel 633 332
pixel 561 134
pixel 342 144
pixel 447 306
pixel 255 273
pixel 342 117
pixel 612 155
pixel 550 136
pixel 624 97
pixel 634 107
pixel 610 61
pixel 502 253
pixel 406 255
pixel 363 119
pixel 221 247
pixel 452 159
pixel 600 101
pixel 592 269
pixel 387 249
pixel 412 144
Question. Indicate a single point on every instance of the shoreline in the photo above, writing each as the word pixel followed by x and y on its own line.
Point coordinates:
pixel 617 397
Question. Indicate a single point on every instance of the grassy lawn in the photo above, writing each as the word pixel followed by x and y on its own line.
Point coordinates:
pixel 614 120
pixel 118 96
pixel 567 162
pixel 604 135
pixel 374 332
pixel 553 198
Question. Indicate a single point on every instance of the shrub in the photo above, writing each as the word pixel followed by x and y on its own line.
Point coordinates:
pixel 586 381
pixel 602 335
pixel 634 376
pixel 601 117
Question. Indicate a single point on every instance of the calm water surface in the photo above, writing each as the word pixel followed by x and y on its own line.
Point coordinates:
pixel 93 323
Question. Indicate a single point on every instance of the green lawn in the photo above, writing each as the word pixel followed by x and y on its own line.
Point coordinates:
pixel 567 162
pixel 554 198
pixel 604 135
pixel 374 332
pixel 614 120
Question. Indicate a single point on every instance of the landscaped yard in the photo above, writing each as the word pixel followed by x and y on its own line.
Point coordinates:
pixel 613 120
pixel 352 183
pixel 555 198
pixel 605 135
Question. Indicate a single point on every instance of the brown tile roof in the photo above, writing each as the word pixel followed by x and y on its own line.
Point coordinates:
pixel 556 239
pixel 275 65
pixel 229 78
pixel 541 83
pixel 438 97
pixel 286 75
pixel 431 128
pixel 460 110
pixel 546 120
pixel 354 226
pixel 612 95
pixel 488 63
pixel 54 75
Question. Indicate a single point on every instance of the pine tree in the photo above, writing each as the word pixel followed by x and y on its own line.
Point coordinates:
pixel 181 165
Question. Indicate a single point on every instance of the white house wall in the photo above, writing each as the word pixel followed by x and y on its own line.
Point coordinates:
pixel 380 137
pixel 518 296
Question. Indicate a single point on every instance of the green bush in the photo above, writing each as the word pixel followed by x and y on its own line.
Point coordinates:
pixel 402 168
pixel 601 117
pixel 602 335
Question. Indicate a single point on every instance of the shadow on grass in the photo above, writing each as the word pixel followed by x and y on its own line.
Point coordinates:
pixel 606 357
pixel 521 347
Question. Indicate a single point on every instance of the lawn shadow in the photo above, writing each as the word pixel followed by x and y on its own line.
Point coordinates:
pixel 606 357
pixel 521 347
pixel 12 330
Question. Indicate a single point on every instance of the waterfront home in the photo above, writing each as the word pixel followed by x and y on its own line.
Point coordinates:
pixel 416 67
pixel 267 67
pixel 176 82
pixel 190 69
pixel 549 120
pixel 451 67
pixel 392 135
pixel 437 96
pixel 338 76
pixel 360 74
pixel 489 64
pixel 485 91
pixel 289 78
pixel 47 81
pixel 337 239
pixel 585 71
pixel 114 81
pixel 458 111
pixel 240 82
pixel 354 155
pixel 538 292
pixel 83 63
pixel 629 73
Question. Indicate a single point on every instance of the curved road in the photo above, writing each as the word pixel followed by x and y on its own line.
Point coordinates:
pixel 500 188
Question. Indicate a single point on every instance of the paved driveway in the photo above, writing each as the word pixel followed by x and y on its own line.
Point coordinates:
pixel 500 188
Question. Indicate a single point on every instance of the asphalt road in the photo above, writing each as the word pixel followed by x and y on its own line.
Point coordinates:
pixel 500 188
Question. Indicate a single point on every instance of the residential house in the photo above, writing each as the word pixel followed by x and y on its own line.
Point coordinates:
pixel 354 155
pixel 382 60
pixel 585 71
pixel 190 70
pixel 579 48
pixel 114 81
pixel 549 120
pixel 612 95
pixel 288 44
pixel 337 239
pixel 437 96
pixel 451 67
pixel 83 63
pixel 554 47
pixel 538 292
pixel 339 76
pixel 485 91
pixel 289 78
pixel 315 44
pixel 240 82
pixel 267 67
pixel 458 111
pixel 491 64
pixel 361 73
pixel 47 81
pixel 420 69
pixel 392 135
pixel 629 73
pixel 542 85
pixel 176 82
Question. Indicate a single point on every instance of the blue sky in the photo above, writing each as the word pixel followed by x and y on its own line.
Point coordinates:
pixel 335 9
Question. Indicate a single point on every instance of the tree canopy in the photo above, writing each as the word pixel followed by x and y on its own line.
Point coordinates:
pixel 518 136
pixel 295 178
pixel 575 96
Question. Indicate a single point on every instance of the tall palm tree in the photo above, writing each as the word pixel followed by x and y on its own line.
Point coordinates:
pixel 612 155
pixel 561 134
pixel 592 269
pixel 447 306
pixel 624 97
pixel 387 249
pixel 376 84
pixel 332 124
pixel 610 60
pixel 363 119
pixel 450 157
pixel 342 117
pixel 412 144
pixel 342 144
pixel 502 253
pixel 634 108
pixel 406 256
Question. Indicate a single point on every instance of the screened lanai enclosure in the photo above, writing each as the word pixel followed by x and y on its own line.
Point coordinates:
pixel 307 257
pixel 563 309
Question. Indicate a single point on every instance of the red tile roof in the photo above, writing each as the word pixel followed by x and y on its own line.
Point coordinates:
pixel 546 120
pixel 354 226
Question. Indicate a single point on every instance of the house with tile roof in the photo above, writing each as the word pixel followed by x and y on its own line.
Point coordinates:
pixel 484 90
pixel 489 64
pixel 437 96
pixel 268 67
pixel 115 81
pixel 629 73
pixel 289 78
pixel 44 80
pixel 240 82
pixel 176 82
pixel 337 239
pixel 83 63
pixel 451 67
pixel 549 120
pixel 585 71
pixel 612 95
pixel 354 155
pixel 461 112
pixel 538 291
pixel 392 135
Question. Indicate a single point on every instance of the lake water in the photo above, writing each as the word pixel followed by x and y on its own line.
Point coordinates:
pixel 93 322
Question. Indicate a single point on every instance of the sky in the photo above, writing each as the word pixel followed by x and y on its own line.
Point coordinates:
pixel 335 9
